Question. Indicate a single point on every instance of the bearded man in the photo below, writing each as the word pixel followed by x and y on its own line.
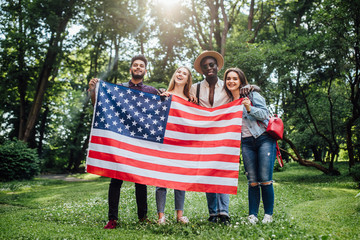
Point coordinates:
pixel 137 70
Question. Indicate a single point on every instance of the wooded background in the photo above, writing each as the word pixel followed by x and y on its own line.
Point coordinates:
pixel 304 54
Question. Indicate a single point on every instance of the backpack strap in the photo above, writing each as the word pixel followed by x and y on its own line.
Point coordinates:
pixel 198 93
pixel 278 155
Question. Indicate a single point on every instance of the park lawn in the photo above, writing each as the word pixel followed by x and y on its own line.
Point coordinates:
pixel 308 205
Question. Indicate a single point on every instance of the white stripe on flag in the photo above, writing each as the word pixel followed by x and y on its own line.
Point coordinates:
pixel 194 123
pixel 161 175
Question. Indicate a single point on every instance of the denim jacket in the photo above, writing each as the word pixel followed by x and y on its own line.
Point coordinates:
pixel 258 118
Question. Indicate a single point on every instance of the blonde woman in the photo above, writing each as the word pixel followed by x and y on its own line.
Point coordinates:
pixel 179 85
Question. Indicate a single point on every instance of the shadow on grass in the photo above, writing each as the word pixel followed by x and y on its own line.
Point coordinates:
pixel 295 173
pixel 194 228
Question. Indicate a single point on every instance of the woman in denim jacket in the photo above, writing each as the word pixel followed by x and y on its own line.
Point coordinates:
pixel 258 148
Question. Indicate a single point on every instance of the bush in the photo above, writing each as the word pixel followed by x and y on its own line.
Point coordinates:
pixel 17 161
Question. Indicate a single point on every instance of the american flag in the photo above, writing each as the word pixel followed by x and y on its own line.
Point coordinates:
pixel 164 141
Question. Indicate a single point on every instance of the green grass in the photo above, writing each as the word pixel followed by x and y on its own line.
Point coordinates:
pixel 308 205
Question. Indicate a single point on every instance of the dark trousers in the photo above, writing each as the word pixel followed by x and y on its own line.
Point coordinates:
pixel 114 198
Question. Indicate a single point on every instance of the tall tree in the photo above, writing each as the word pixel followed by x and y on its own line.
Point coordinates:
pixel 56 15
pixel 341 21
pixel 20 45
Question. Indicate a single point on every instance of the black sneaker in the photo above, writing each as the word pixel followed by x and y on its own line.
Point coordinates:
pixel 213 219
pixel 224 219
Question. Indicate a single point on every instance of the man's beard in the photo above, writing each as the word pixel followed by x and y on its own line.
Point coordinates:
pixel 137 76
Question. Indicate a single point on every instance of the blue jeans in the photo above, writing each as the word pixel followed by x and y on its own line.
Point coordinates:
pixel 258 157
pixel 218 204
pixel 161 199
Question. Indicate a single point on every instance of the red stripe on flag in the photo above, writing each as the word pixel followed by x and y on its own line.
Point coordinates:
pixel 195 187
pixel 199 130
pixel 163 154
pixel 162 168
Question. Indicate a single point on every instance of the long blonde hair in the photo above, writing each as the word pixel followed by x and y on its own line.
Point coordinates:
pixel 187 85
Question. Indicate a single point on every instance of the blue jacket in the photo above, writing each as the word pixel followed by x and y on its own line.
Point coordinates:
pixel 258 118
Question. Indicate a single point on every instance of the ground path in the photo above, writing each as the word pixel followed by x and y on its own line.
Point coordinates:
pixel 64 177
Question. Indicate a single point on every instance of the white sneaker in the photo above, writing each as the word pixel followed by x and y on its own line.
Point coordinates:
pixel 183 220
pixel 267 219
pixel 253 219
pixel 162 220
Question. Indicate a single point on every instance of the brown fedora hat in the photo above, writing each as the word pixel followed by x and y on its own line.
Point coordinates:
pixel 219 59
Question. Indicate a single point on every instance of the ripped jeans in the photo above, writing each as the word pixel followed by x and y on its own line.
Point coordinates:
pixel 258 157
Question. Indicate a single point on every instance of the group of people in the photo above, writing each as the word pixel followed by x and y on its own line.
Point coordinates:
pixel 258 147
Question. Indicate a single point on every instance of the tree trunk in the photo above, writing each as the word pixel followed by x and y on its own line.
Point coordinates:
pixel 22 79
pixel 116 58
pixel 225 29
pixel 336 145
pixel 350 148
pixel 317 154
pixel 217 31
pixel 251 15
pixel 355 92
pixel 332 158
pixel 42 85
pixel 355 100
pixel 307 163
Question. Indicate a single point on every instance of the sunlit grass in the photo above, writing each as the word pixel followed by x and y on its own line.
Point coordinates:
pixel 86 176
pixel 308 205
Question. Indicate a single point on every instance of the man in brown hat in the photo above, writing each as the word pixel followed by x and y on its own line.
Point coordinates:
pixel 211 93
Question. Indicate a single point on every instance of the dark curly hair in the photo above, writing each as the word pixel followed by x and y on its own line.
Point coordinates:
pixel 139 57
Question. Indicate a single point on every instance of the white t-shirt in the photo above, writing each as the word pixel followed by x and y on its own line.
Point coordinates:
pixel 220 96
